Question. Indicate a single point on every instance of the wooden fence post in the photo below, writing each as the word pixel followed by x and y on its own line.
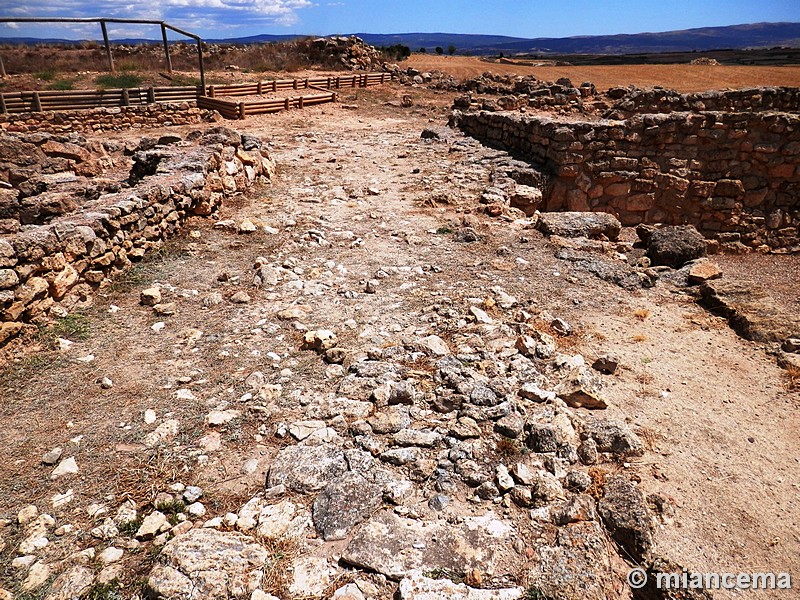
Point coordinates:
pixel 126 98
pixel 242 110
pixel 300 102
pixel 200 61
pixel 3 108
pixel 260 88
pixel 166 47
pixel 287 104
pixel 107 45
pixel 37 103
pixel 151 95
pixel 2 69
pixel 212 91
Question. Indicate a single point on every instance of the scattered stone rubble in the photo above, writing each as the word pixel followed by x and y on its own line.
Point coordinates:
pixel 351 52
pixel 518 92
pixel 470 459
pixel 514 91
pixel 430 461
pixel 478 469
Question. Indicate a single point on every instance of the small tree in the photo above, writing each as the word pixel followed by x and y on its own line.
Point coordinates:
pixel 451 49
pixel 422 50
pixel 439 50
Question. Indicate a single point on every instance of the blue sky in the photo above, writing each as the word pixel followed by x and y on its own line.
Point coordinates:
pixel 543 18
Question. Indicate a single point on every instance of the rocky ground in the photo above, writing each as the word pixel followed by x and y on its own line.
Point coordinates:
pixel 371 379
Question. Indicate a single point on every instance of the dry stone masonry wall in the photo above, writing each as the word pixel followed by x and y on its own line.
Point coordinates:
pixel 638 101
pixel 107 119
pixel 735 176
pixel 54 262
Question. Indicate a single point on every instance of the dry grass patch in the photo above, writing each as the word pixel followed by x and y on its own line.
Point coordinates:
pixel 791 376
pixel 649 437
pixel 147 475
pixel 508 447
pixel 599 477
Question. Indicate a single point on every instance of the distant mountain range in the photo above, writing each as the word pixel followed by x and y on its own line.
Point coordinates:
pixel 753 35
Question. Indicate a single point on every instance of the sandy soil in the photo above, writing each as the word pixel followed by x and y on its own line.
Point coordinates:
pixel 685 78
pixel 721 425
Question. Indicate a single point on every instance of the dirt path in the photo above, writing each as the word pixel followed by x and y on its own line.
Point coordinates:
pixel 348 207
pixel 724 431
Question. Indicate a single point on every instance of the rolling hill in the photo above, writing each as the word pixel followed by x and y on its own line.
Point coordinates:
pixel 753 35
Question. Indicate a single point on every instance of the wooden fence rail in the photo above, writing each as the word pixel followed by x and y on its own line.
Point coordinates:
pixel 17 102
pixel 239 110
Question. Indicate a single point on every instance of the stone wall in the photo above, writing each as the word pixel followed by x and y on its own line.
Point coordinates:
pixel 735 176
pixel 108 119
pixel 660 100
pixel 54 268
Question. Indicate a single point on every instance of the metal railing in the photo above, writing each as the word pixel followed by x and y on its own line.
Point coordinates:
pixel 104 29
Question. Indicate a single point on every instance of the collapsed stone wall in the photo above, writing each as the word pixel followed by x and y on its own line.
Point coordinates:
pixel 47 270
pixel 637 101
pixel 734 176
pixel 108 119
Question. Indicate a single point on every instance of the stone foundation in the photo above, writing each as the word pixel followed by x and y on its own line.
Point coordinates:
pixel 108 119
pixel 53 268
pixel 734 176
pixel 659 100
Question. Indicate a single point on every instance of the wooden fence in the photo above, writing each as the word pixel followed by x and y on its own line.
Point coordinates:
pixel 17 102
pixel 240 110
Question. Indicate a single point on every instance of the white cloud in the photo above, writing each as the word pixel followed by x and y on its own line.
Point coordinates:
pixel 282 12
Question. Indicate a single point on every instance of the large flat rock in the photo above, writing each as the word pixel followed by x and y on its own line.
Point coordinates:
pixel 306 469
pixel 206 564
pixel 580 224
pixel 578 565
pixel 396 546
pixel 344 503
pixel 418 587
pixel 750 310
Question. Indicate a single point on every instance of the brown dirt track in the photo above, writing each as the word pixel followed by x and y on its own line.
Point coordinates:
pixel 684 78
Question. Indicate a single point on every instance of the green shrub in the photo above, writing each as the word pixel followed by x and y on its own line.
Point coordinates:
pixel 61 84
pixel 105 591
pixel 184 81
pixel 127 80
pixel 47 74
pixel 75 326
